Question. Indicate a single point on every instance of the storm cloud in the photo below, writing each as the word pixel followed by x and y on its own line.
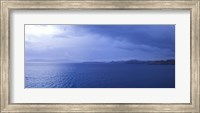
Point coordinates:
pixel 79 43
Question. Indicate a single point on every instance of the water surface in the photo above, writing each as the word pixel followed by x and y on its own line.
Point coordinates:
pixel 105 75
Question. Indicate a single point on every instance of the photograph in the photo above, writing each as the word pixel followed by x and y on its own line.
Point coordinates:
pixel 99 56
pixel 63 56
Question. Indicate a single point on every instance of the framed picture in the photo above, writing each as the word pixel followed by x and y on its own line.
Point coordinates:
pixel 100 56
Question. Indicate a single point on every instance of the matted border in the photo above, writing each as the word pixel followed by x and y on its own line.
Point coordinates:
pixel 7 6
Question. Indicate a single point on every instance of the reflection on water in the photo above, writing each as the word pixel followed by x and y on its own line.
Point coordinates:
pixel 62 75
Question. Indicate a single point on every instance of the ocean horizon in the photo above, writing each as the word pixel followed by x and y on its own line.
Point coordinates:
pixel 100 56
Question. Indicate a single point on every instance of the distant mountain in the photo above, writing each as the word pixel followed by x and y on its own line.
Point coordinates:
pixel 94 62
pixel 149 62
pixel 152 62
pixel 165 62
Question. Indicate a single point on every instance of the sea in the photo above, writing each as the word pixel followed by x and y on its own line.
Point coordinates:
pixel 99 75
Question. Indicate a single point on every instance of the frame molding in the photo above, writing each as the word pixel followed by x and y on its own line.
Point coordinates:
pixel 8 5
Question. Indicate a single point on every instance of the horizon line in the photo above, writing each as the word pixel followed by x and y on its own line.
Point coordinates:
pixel 61 61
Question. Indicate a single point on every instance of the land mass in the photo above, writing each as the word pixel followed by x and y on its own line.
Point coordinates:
pixel 149 62
pixel 152 62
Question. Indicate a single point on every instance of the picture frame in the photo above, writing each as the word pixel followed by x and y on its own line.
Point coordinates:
pixel 8 6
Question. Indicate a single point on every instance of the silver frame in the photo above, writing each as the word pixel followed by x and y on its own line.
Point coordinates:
pixel 8 5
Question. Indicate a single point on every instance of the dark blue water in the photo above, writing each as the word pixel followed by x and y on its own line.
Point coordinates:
pixel 62 75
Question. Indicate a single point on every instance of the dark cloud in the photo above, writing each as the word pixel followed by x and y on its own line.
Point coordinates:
pixel 101 42
pixel 160 36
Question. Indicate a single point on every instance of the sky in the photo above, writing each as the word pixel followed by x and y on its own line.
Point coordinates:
pixel 97 43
